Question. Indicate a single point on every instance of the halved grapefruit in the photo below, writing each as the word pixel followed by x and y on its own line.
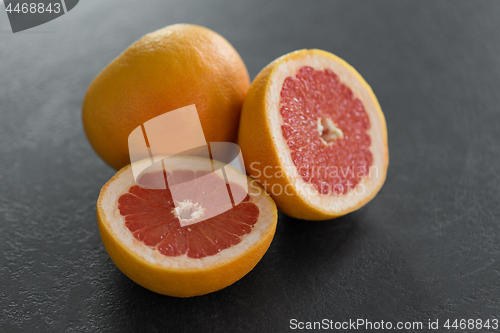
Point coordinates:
pixel 312 133
pixel 141 230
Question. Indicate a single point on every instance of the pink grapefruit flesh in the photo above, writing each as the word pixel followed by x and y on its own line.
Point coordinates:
pixel 149 215
pixel 326 128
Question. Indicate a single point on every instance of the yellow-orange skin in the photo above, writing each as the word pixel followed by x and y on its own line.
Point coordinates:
pixel 256 142
pixel 173 67
pixel 175 281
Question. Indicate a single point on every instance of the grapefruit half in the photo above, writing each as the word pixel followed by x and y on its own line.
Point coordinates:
pixel 312 133
pixel 141 230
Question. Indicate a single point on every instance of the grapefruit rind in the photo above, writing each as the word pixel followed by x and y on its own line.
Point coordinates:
pixel 182 276
pixel 176 66
pixel 261 140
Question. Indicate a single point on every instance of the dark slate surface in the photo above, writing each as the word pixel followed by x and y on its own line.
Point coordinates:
pixel 425 248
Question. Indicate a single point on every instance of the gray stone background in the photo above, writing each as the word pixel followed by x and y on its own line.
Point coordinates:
pixel 425 248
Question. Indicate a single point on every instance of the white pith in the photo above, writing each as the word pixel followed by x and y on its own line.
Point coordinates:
pixel 188 211
pixel 115 222
pixel 329 204
pixel 328 131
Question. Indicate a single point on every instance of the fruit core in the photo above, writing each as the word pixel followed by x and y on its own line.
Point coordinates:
pixel 187 210
pixel 326 128
pixel 328 131
pixel 151 216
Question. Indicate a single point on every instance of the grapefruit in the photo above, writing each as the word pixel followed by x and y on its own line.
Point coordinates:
pixel 141 230
pixel 173 67
pixel 312 133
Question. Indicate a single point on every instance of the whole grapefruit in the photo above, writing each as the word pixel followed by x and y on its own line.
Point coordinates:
pixel 170 68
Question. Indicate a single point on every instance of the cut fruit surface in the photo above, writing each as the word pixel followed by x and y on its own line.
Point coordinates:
pixel 152 218
pixel 142 231
pixel 313 134
pixel 326 130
